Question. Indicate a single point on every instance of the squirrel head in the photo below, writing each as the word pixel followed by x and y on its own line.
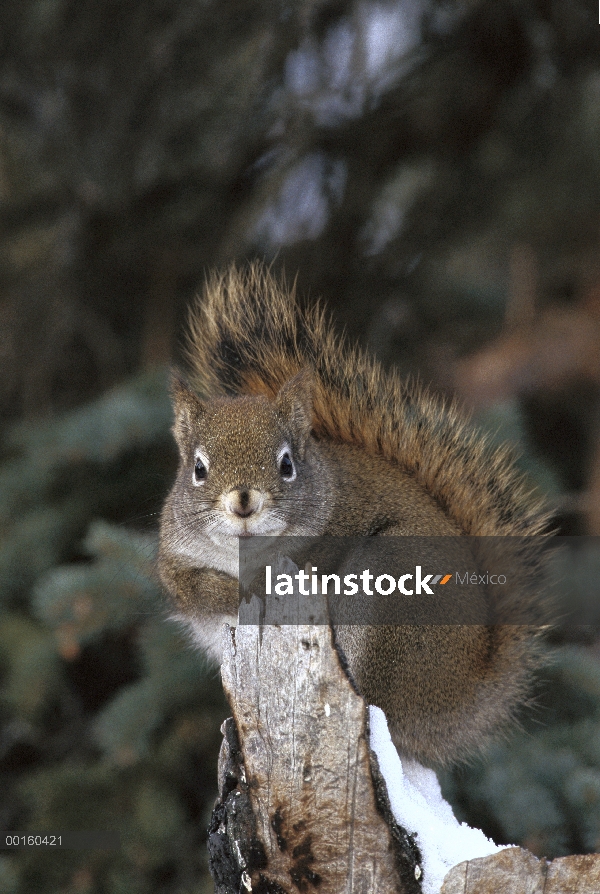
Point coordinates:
pixel 245 462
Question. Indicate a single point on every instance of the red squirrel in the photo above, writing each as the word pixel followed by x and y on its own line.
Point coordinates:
pixel 302 435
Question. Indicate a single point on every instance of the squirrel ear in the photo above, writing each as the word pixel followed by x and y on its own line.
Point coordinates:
pixel 295 402
pixel 188 410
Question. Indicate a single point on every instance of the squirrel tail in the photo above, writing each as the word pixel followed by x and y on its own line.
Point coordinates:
pixel 249 335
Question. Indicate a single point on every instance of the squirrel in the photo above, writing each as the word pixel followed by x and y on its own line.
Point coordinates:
pixel 303 434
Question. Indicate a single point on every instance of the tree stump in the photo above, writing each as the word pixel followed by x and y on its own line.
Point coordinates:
pixel 302 804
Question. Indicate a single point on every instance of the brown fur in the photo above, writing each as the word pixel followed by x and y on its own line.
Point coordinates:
pixel 375 456
pixel 249 335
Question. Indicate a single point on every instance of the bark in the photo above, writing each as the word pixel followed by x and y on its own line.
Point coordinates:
pixel 302 804
pixel 516 870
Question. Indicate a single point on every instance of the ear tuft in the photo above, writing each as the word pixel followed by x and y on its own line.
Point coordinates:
pixel 177 384
pixel 188 408
pixel 295 403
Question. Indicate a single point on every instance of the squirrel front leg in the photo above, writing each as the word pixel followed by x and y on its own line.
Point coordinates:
pixel 203 597
pixel 198 590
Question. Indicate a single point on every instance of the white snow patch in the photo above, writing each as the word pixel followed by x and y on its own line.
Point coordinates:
pixel 389 31
pixel 338 49
pixel 301 209
pixel 417 804
pixel 359 57
pixel 302 69
pixel 324 77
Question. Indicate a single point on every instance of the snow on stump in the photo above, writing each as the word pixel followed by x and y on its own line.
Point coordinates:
pixel 303 806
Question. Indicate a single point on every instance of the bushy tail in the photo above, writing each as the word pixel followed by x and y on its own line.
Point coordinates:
pixel 248 335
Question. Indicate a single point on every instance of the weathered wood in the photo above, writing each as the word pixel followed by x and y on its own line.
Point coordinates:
pixel 299 808
pixel 516 870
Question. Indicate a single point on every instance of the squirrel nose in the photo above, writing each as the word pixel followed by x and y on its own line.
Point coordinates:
pixel 243 502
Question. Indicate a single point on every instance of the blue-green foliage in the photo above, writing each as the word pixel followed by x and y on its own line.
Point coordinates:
pixel 542 788
pixel 69 469
pixel 110 720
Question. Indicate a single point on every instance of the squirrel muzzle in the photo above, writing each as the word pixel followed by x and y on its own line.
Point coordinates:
pixel 243 502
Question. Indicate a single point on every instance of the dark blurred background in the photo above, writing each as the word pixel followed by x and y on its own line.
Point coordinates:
pixel 432 169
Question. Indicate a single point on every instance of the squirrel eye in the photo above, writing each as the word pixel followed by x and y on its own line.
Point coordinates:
pixel 200 471
pixel 286 467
